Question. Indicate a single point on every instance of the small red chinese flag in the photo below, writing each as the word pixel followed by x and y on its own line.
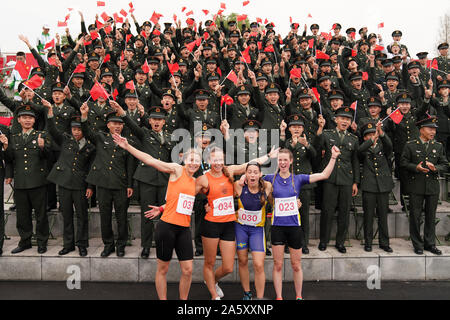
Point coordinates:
pixel 190 46
pixel 104 16
pixel 34 82
pixel 241 17
pixel 62 24
pixel 98 91
pixel 6 121
pixel 81 68
pixel 269 49
pixel 145 67
pixel 378 48
pixel 175 18
pixel 190 13
pixel 311 43
pixel 259 20
pixel 115 94
pixel 396 116
pixel 206 12
pixel 296 73
pixel 227 100
pixel 50 45
pixel 321 55
pixel 99 24
pixel 354 53
pixel 245 3
pixel 123 12
pixel 381 25
pixel 108 29
pixel 94 35
pixel 232 77
pixel 173 67
pixel 316 94
pixel 183 9
pixel 130 85
pixel 223 6
pixel 354 104
pixel 101 3
pixel 107 58
pixel 365 76
pixel 23 69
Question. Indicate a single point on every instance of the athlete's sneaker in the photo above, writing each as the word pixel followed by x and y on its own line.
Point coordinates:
pixel 247 296
pixel 219 291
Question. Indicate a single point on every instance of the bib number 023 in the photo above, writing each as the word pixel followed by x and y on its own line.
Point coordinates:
pixel 285 207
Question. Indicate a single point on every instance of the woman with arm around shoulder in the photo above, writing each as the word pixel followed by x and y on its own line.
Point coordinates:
pixel 173 231
pixel 218 227
pixel 286 224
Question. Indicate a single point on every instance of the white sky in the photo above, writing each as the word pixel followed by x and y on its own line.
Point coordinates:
pixel 418 20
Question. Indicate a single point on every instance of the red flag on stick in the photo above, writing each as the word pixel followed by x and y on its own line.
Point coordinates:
pixel 296 73
pixel 241 17
pixel 378 48
pixel 311 43
pixel 94 35
pixel 321 55
pixel 232 77
pixel 23 69
pixel 223 6
pixel 107 58
pixel 104 16
pixel 365 76
pixel 173 67
pixel 316 94
pixel 396 116
pixel 130 85
pixel 50 45
pixel 6 121
pixel 62 24
pixel 206 12
pixel 81 68
pixel 123 12
pixel 190 46
pixel 101 3
pixel 115 94
pixel 190 13
pixel 245 3
pixel 145 67
pixel 381 25
pixel 354 104
pixel 34 82
pixel 98 91
pixel 99 24
pixel 227 100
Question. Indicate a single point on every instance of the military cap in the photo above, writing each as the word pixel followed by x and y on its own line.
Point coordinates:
pixel 231 48
pixel 397 33
pixel 157 113
pixel 261 76
pixel 177 74
pixel 392 76
pixel 251 124
pixel 325 63
pixel 369 128
pixel 129 48
pixel 98 45
pixel 208 23
pixel 272 88
pixel 76 121
pixel 201 94
pixel 37 71
pixel 187 30
pixel 323 76
pixel 237 62
pixel 443 46
pixel 304 93
pixel 335 41
pixel 153 60
pixel 114 117
pixel 204 131
pixel 78 75
pixel 443 84
pixel 381 56
pixel 396 59
pixel 308 54
pixel 213 76
pixel 314 26
pixel 106 72
pixel 139 38
pixel 58 87
pixel 157 53
pixel 207 47
pixel 131 93
pixel 422 55
pixel 295 26
pixel 413 64
pixel 26 110
pixel 371 36
pixel 374 101
pixel 182 62
pixel 333 53
pixel 350 30
pixel 93 57
pixel 232 23
pixel 235 34
pixel 211 61
pixel 430 122
pixel 270 25
pixel 363 43
pixel 66 49
pixel 387 63
pixel 345 112
pixel 356 76
pixel 266 61
pixel 336 94
pixel 147 24
pixel 140 71
pixel 337 26
pixel 403 98
pixel 254 25
pixel 295 119
pixel 243 90
pixel 169 93
pixel 167 25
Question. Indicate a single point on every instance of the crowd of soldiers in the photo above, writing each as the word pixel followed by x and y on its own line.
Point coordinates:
pixel 349 92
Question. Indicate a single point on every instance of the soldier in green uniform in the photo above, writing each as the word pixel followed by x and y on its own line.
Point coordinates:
pixel 112 173
pixel 342 185
pixel 69 173
pixel 28 152
pixel 376 182
pixel 98 111
pixel 5 175
pixel 441 105
pixel 242 110
pixel 443 62
pixel 375 106
pixel 152 183
pixel 304 154
pixel 424 158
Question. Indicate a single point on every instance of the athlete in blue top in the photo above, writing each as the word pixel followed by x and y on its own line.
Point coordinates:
pixel 286 223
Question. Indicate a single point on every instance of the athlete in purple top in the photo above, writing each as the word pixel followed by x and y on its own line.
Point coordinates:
pixel 286 223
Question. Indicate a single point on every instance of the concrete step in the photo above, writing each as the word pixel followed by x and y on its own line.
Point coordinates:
pixel 402 264
pixel 397 222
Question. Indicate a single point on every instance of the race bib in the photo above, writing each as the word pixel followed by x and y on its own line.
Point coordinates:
pixel 223 206
pixel 250 218
pixel 286 207
pixel 185 204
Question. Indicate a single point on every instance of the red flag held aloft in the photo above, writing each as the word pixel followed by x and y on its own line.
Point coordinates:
pixel 223 6
pixel 190 46
pixel 23 69
pixel 115 94
pixel 107 58
pixel 434 64
pixel 241 17
pixel 99 24
pixel 34 82
pixel 381 25
pixel 311 43
pixel 365 76
pixel 378 48
pixel 94 35
pixel 245 3
pixel 396 116
pixel 81 68
pixel 269 49
pixel 128 37
pixel 6 121
pixel 155 17
pixel 101 3
pixel 296 73
pixel 309 15
pixel 206 12
pixel 190 21
pixel 108 29
pixel 117 19
pixel 183 9
pixel 316 94
pixel 145 67
pixel 354 53
pixel 123 12
pixel 62 24
pixel 173 67
pixel 246 56
pixel 156 32
pixel 130 85
pixel 354 105
pixel 321 55
pixel 232 77
pixel 104 16
pixel 227 100
pixel 259 20
pixel 98 91
pixel 50 45
pixel 189 13
pixel 206 36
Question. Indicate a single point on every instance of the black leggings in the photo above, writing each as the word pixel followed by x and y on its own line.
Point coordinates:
pixel 169 237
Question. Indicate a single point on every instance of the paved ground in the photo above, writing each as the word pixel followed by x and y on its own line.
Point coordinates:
pixel 312 291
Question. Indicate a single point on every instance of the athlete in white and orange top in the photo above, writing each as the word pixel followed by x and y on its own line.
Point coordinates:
pixel 173 231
